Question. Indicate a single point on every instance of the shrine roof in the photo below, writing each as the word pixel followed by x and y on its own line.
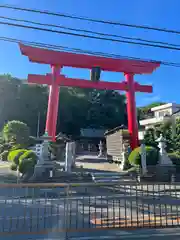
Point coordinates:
pixel 68 59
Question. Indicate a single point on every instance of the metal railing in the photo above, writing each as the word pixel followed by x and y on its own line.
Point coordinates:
pixel 72 208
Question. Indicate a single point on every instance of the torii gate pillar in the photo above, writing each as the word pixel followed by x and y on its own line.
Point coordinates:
pixel 53 103
pixel 131 110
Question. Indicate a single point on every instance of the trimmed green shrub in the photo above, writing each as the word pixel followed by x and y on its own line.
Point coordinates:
pixel 4 155
pixel 175 158
pixel 27 161
pixel 152 156
pixel 28 154
pixel 16 132
pixel 14 155
pixel 22 159
pixel 26 165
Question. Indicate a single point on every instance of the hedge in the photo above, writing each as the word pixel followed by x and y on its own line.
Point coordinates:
pixel 14 155
pixel 152 156
pixel 27 161
pixel 175 158
pixel 22 159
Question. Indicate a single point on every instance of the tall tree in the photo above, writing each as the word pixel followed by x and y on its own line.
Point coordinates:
pixel 78 108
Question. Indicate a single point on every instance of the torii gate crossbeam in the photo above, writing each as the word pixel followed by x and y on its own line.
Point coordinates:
pixel 57 60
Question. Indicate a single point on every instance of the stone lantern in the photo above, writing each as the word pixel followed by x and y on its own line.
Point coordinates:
pixel 164 159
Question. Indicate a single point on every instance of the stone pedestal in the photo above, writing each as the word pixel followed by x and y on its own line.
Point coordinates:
pixel 165 168
pixel 44 166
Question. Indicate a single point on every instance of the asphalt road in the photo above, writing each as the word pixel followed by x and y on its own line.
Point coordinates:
pixel 44 213
pixel 36 214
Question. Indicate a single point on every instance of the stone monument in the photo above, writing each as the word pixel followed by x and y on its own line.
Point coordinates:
pixel 44 166
pixel 123 161
pixel 164 160
pixel 100 149
pixel 143 159
pixel 165 168
pixel 69 156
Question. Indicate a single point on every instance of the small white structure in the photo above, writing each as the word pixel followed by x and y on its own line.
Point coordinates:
pixel 164 159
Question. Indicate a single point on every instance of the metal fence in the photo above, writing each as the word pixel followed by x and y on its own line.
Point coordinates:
pixel 72 208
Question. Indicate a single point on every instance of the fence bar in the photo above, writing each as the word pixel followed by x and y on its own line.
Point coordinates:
pixel 77 207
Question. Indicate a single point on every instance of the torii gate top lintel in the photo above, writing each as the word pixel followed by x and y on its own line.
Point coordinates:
pixel 55 80
pixel 45 56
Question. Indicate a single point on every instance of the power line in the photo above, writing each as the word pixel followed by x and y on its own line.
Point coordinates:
pixel 89 36
pixel 78 50
pixel 89 19
pixel 88 31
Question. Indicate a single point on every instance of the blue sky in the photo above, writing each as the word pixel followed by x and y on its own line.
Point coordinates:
pixel 158 13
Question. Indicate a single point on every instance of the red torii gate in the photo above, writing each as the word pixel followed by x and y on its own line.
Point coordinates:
pixel 58 60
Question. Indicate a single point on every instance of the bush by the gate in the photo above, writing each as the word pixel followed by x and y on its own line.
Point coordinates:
pixel 175 158
pixel 152 156
pixel 22 159
pixel 14 155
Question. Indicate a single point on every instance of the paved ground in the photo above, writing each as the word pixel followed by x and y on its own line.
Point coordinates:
pixel 91 207
pixel 92 163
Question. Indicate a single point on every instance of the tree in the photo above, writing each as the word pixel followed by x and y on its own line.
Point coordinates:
pixel 22 102
pixel 166 130
pixel 149 138
pixel 145 112
pixel 84 108
pixel 16 132
pixel 78 108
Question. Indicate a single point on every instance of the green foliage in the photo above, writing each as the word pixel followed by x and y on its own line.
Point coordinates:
pixel 14 155
pixel 13 167
pixel 166 130
pixel 175 158
pixel 145 112
pixel 16 132
pixel 27 102
pixel 176 140
pixel 22 159
pixel 27 165
pixel 32 141
pixel 152 156
pixel 27 161
pixel 149 138
pixel 4 147
pixel 28 154
pixel 1 138
pixel 4 155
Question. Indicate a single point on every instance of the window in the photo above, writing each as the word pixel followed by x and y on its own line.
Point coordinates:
pixel 164 113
